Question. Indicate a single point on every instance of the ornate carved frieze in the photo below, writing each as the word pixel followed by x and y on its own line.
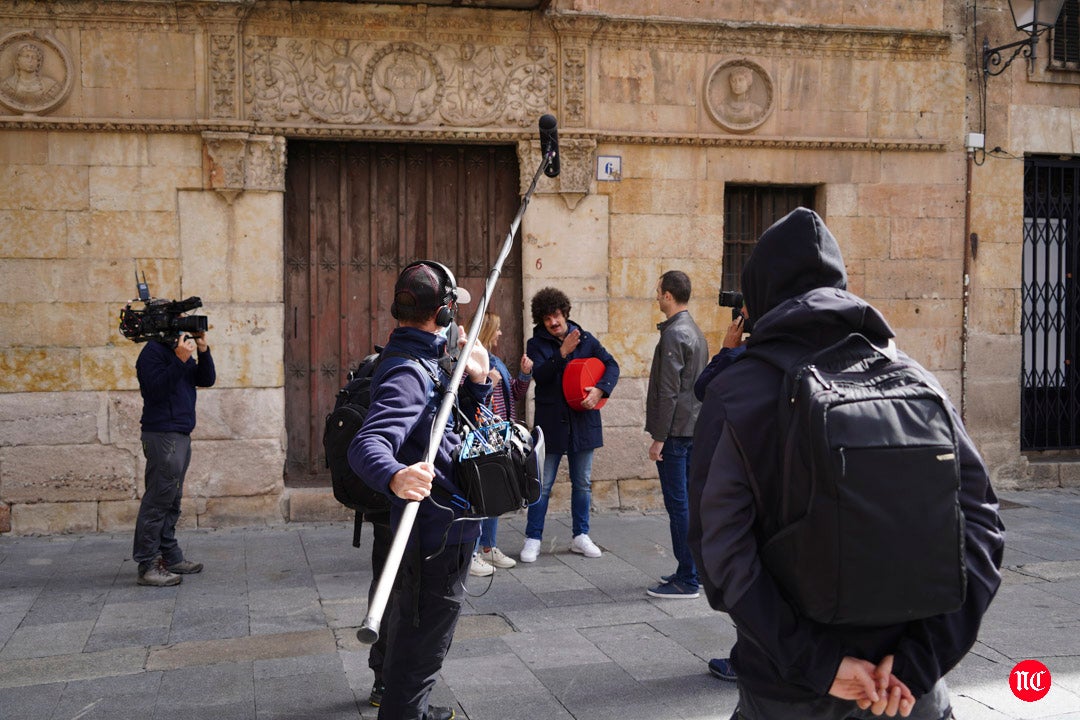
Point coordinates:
pixel 36 73
pixel 240 161
pixel 400 83
pixel 751 38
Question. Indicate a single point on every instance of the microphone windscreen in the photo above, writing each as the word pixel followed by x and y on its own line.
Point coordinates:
pixel 549 144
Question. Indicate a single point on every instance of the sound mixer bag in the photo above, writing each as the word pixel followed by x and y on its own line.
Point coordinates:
pixel 498 467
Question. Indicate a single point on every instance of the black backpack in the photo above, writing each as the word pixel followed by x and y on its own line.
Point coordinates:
pixel 350 410
pixel 869 529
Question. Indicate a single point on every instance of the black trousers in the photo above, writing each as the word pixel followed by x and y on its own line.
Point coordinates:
pixel 167 457
pixel 423 613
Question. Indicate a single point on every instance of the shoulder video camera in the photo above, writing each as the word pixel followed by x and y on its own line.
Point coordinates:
pixel 159 319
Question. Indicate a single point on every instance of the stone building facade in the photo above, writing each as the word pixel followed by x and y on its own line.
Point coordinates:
pixel 155 134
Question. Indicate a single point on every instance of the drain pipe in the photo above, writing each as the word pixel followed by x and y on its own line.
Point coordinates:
pixel 971 250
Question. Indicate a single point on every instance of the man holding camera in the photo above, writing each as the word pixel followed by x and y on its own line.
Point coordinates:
pixel 670 413
pixel 168 375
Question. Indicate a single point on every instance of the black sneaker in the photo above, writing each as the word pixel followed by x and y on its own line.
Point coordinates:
pixel 185 567
pixel 157 575
pixel 721 668
pixel 377 690
pixel 674 590
pixel 439 713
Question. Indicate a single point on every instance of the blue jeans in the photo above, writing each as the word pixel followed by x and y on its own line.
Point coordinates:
pixel 488 528
pixel 674 471
pixel 580 494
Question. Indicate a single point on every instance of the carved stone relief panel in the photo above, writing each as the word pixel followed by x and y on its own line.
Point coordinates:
pixel 239 161
pixel 222 75
pixel 400 83
pixel 36 72
pixel 739 95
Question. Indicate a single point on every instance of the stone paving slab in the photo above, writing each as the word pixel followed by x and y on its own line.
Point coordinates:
pixel 267 631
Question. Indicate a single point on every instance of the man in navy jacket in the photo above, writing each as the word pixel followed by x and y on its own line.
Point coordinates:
pixel 555 342
pixel 389 455
pixel 168 375
pixel 789 666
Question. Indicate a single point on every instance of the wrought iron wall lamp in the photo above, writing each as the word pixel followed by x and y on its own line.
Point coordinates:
pixel 1033 17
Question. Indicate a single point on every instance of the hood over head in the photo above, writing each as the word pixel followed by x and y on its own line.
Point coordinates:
pixel 797 254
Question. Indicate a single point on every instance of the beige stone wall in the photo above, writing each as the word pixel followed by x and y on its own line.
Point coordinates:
pixel 1028 111
pixel 81 211
pixel 164 142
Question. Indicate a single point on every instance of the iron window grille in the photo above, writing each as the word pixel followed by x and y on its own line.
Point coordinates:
pixel 1050 313
pixel 749 210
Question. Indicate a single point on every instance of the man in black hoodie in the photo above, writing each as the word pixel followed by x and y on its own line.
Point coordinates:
pixel 789 666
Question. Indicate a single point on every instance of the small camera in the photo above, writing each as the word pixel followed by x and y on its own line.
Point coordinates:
pixel 732 299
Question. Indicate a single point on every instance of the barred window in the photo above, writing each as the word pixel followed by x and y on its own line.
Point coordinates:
pixel 1050 384
pixel 1065 40
pixel 749 210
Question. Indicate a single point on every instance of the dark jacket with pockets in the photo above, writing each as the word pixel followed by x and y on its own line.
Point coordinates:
pixel 168 387
pixel 794 286
pixel 404 402
pixel 567 430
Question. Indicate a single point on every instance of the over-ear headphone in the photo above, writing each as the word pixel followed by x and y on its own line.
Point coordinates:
pixel 444 316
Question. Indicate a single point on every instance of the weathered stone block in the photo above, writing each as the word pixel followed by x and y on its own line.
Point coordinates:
pixel 573 245
pixel 993 404
pixel 246 341
pixel 861 237
pixel 258 252
pixel 123 234
pixel 206 241
pixel 117 515
pixel 240 511
pixel 921 238
pixel 98 148
pixel 240 413
pixel 994 357
pixel 56 324
pixel 24 147
pixel 913 279
pixel 316 505
pixel 38 369
pixel 640 494
pixel 60 418
pixel 109 367
pixel 5 518
pixel 33 233
pixel 605 495
pixel 624 455
pixel 53 518
pixel 231 468
pixel 43 187
pixel 40 473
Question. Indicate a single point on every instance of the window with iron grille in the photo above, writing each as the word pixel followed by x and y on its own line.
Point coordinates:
pixel 749 210
pixel 1050 316
pixel 1065 40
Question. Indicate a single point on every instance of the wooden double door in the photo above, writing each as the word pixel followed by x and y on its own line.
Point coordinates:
pixel 355 215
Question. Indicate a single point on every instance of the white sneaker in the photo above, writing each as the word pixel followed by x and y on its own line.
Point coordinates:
pixel 530 551
pixel 582 544
pixel 479 568
pixel 498 558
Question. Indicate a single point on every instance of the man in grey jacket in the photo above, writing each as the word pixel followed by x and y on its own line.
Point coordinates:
pixel 671 410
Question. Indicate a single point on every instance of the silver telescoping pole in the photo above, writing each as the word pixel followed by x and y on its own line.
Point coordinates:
pixel 369 630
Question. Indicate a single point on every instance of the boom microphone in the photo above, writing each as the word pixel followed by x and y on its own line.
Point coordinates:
pixel 549 144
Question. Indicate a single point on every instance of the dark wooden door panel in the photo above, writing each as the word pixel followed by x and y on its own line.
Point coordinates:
pixel 356 213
